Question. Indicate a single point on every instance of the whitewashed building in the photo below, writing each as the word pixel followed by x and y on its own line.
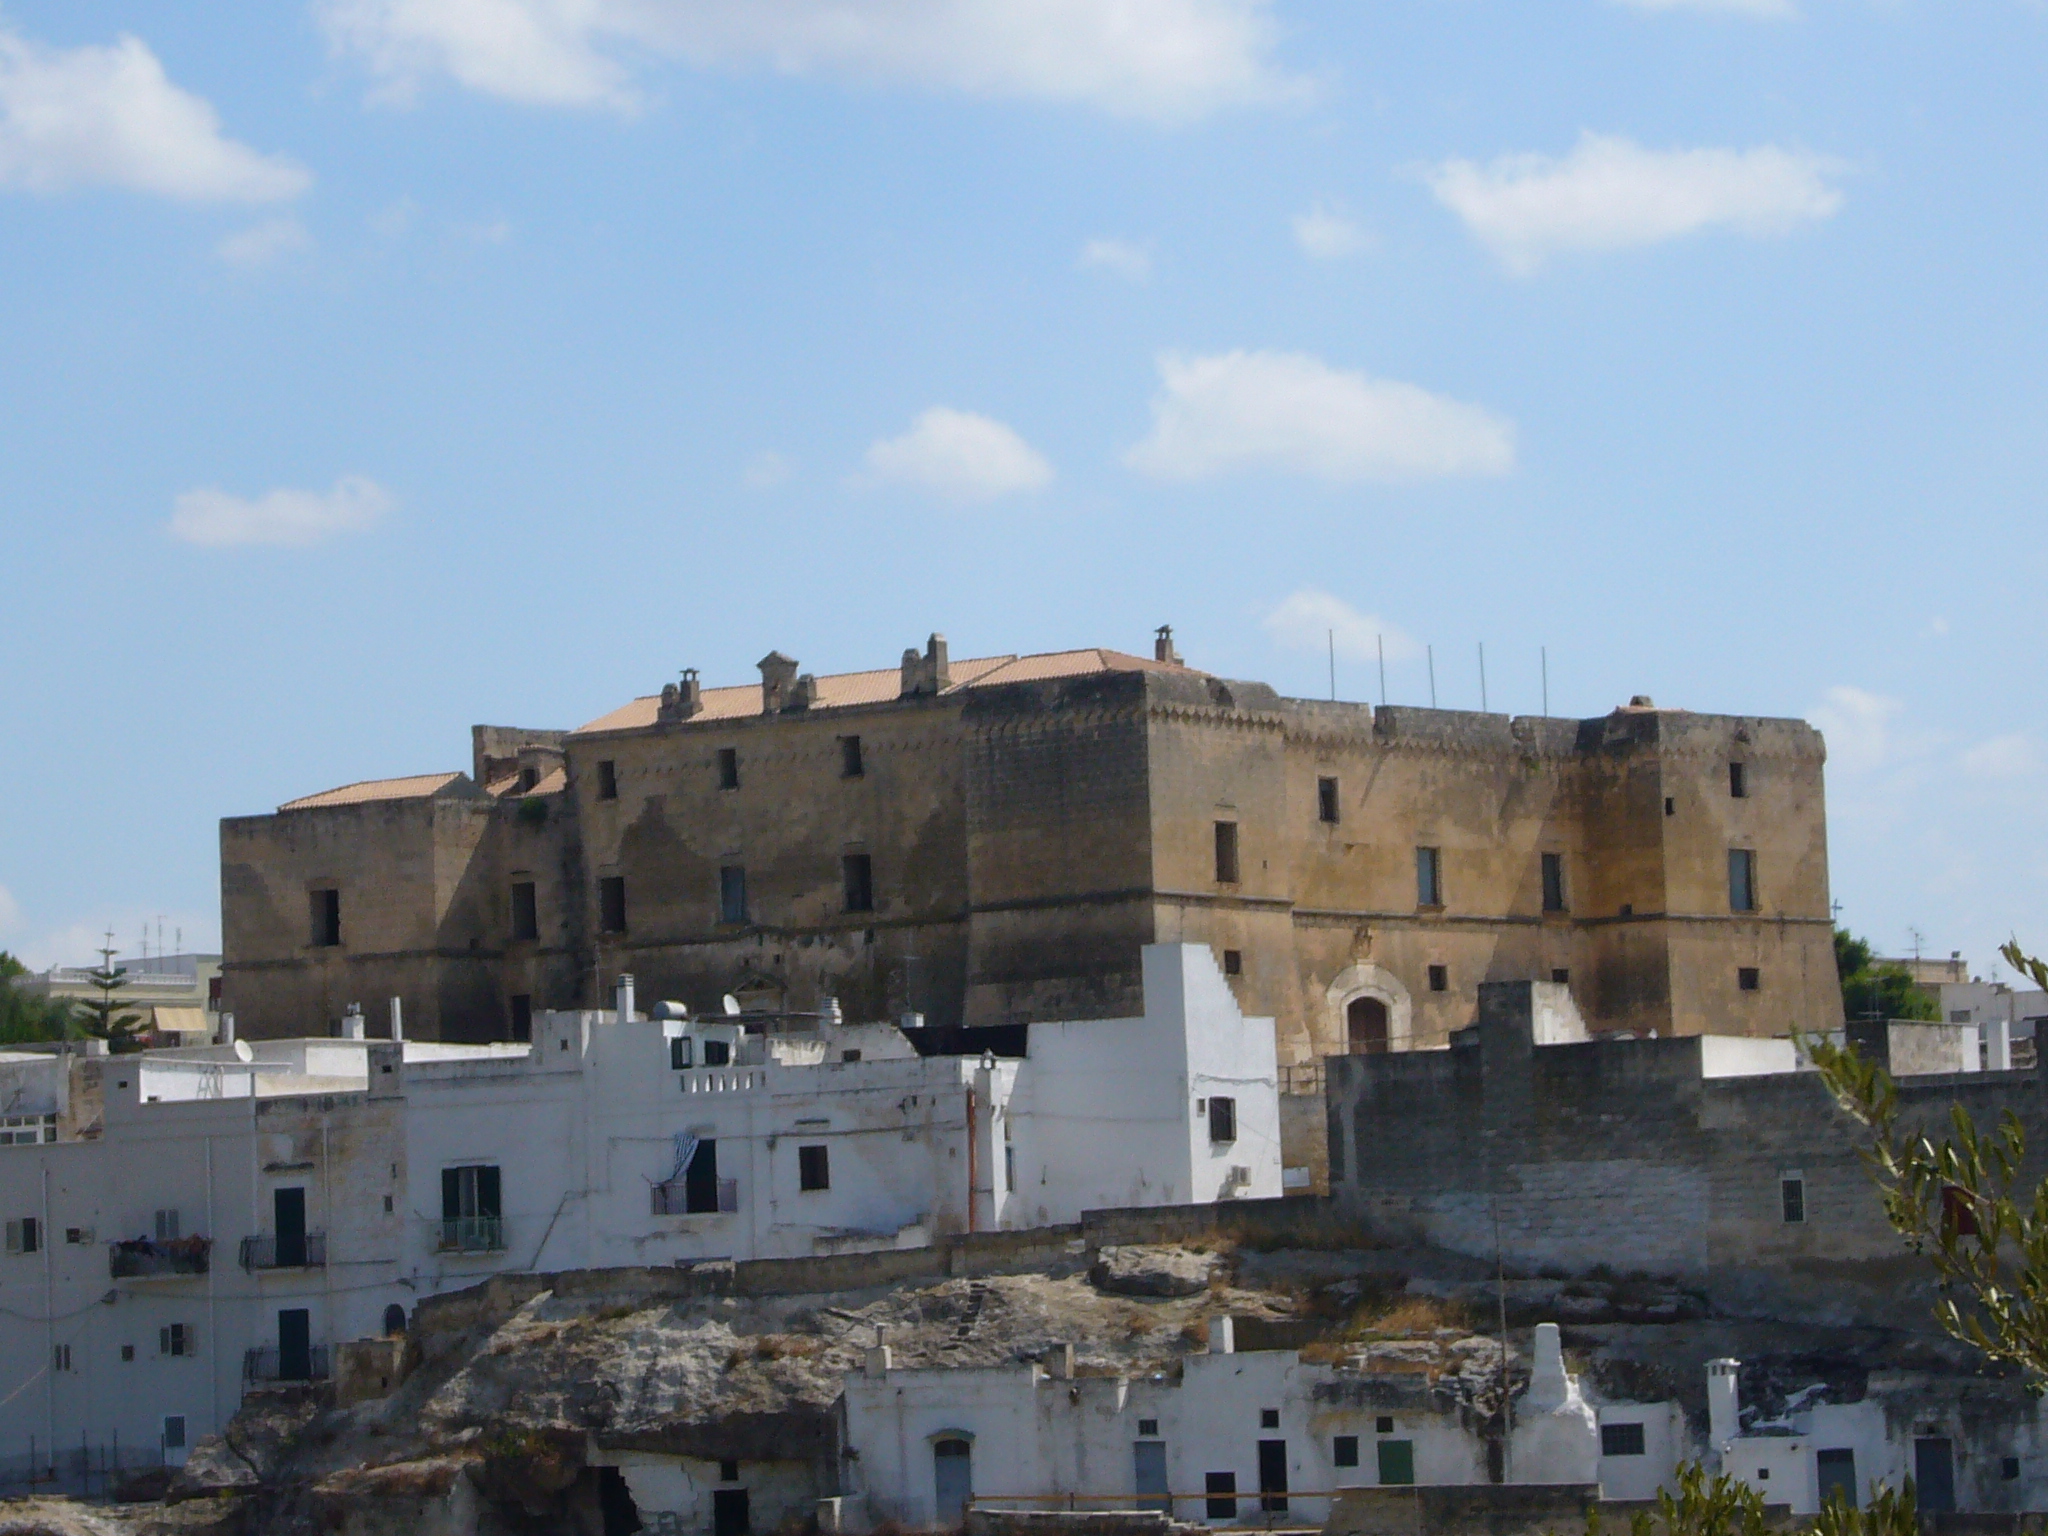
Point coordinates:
pixel 183 1223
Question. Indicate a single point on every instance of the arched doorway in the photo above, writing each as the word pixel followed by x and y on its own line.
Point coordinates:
pixel 1365 1027
pixel 952 1480
pixel 394 1320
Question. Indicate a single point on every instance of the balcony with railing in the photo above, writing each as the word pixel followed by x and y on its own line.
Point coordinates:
pixel 270 1364
pixel 308 1250
pixel 672 1198
pixel 173 1258
pixel 470 1234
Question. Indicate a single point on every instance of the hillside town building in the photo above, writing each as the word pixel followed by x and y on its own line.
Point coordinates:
pixel 994 841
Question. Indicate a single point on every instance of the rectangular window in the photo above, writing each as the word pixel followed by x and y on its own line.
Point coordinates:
pixel 326 914
pixel 1233 962
pixel 525 912
pixel 1429 877
pixel 174 1431
pixel 1621 1439
pixel 174 1339
pixel 472 1209
pixel 522 1018
pixel 1748 978
pixel 857 875
pixel 1327 808
pixel 1561 976
pixel 1670 806
pixel 1741 880
pixel 1439 978
pixel 1222 1119
pixel 1220 1489
pixel 813 1168
pixel 732 893
pixel 1383 1425
pixel 607 780
pixel 1738 781
pixel 1397 1463
pixel 1344 1451
pixel 60 1357
pixel 25 1235
pixel 1792 1197
pixel 700 1180
pixel 679 1053
pixel 167 1225
pixel 611 903
pixel 1553 882
pixel 1149 1428
pixel 717 1053
pixel 728 767
pixel 850 764
pixel 1226 853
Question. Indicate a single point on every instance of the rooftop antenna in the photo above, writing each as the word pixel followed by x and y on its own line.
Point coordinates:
pixel 1544 652
pixel 1333 666
pixel 1482 677
pixel 1431 650
pixel 1381 641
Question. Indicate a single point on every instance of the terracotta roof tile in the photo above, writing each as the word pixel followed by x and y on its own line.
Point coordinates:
pixel 417 787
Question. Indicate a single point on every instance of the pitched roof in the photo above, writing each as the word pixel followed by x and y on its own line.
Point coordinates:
pixel 879 687
pixel 417 787
pixel 555 779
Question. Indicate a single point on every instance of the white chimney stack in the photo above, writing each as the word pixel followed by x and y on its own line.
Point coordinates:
pixel 352 1023
pixel 625 997
pixel 1724 1402
pixel 397 1019
pixel 227 1028
pixel 1997 1045
pixel 1222 1335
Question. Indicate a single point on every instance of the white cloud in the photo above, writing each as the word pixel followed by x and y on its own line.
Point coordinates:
pixel 296 518
pixel 1309 619
pixel 1610 193
pixel 1858 726
pixel 261 244
pixel 1162 60
pixel 1119 257
pixel 959 456
pixel 1291 412
pixel 2003 757
pixel 108 116
pixel 1327 233
pixel 1773 10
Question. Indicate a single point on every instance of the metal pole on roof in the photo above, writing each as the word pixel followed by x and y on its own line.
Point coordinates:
pixel 1431 650
pixel 1482 677
pixel 1544 651
pixel 1381 641
pixel 1333 666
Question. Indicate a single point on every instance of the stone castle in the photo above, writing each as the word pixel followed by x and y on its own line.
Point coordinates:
pixel 993 841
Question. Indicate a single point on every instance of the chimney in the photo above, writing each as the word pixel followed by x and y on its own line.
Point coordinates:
pixel 1059 1362
pixel 830 1014
pixel 1222 1335
pixel 1549 1387
pixel 625 994
pixel 397 1019
pixel 1997 1035
pixel 804 694
pixel 352 1023
pixel 684 702
pixel 1724 1402
pixel 937 664
pixel 880 1360
pixel 1162 646
pixel 778 673
pixel 227 1029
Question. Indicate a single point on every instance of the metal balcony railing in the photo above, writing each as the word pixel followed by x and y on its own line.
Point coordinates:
pixel 673 1199
pixel 268 1251
pixel 268 1364
pixel 472 1234
pixel 143 1259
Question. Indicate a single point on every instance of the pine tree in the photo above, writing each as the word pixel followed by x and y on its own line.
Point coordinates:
pixel 101 1017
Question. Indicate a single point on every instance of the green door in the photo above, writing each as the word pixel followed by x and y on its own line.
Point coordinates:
pixel 1397 1462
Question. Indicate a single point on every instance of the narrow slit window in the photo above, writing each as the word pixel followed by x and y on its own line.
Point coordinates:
pixel 1439 978
pixel 1429 877
pixel 1226 853
pixel 851 765
pixel 1738 781
pixel 857 876
pixel 732 893
pixel 1553 882
pixel 607 780
pixel 525 912
pixel 1741 880
pixel 1327 808
pixel 728 767
pixel 611 903
pixel 522 1018
pixel 1792 1197
pixel 326 911
pixel 1233 962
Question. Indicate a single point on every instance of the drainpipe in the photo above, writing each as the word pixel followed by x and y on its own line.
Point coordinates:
pixel 973 1169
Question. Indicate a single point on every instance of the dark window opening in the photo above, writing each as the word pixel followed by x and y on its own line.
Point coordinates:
pixel 1561 976
pixel 728 767
pixel 850 764
pixel 857 875
pixel 1148 1427
pixel 1439 978
pixel 611 903
pixel 732 893
pixel 1222 1119
pixel 717 1053
pixel 729 1515
pixel 728 1471
pixel 617 1513
pixel 1553 882
pixel 1741 880
pixel 1233 962
pixel 607 780
pixel 1738 781
pixel 326 912
pixel 1327 808
pixel 1670 806
pixel 1621 1440
pixel 813 1168
pixel 1226 853
pixel 1269 1418
pixel 1344 1451
pixel 1365 1026
pixel 2009 1469
pixel 1748 978
pixel 522 1017
pixel 25 1235
pixel 679 1053
pixel 1383 1425
pixel 394 1320
pixel 1792 1198
pixel 1273 1476
pixel 700 1184
pixel 525 911
pixel 174 1339
pixel 1220 1488
pixel 472 1208
pixel 528 778
pixel 1429 877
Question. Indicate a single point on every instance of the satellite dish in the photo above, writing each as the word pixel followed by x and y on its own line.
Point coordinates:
pixel 732 1006
pixel 242 1051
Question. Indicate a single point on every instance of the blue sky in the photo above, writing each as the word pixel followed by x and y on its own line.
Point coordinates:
pixel 373 367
